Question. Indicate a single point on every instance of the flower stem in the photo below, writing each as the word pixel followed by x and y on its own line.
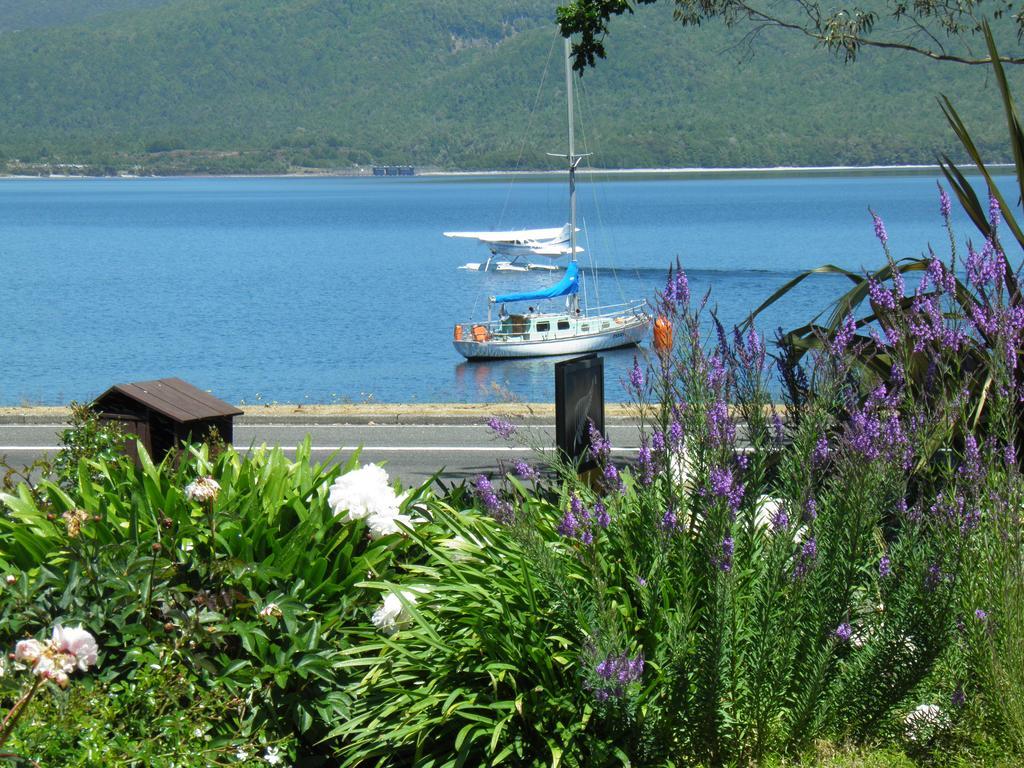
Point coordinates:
pixel 11 720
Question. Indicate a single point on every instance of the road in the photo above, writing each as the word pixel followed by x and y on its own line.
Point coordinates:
pixel 411 452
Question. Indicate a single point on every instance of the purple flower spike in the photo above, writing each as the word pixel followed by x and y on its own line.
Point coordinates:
pixel 725 562
pixel 944 205
pixel 994 212
pixel 810 510
pixel 658 441
pixel 884 566
pixel 844 336
pixel 524 471
pixel 980 614
pixel 844 632
pixel 819 457
pixel 675 434
pixel 601 515
pixel 669 521
pixel 501 427
pixel 880 233
pixel 636 376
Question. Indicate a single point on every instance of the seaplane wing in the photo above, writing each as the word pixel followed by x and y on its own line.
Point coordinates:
pixel 515 236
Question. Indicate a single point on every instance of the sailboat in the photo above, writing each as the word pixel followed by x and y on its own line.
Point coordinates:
pixel 574 330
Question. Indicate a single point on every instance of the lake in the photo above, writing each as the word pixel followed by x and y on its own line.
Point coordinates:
pixel 340 290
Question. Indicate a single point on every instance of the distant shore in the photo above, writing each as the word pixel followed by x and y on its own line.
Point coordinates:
pixel 781 170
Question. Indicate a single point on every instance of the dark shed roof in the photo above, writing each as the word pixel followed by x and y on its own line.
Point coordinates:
pixel 175 399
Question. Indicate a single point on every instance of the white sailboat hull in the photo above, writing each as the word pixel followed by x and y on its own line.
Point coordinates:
pixel 625 333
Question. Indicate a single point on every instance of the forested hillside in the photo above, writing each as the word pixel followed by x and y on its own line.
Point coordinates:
pixel 275 85
pixel 26 14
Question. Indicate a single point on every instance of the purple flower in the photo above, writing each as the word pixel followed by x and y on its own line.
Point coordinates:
pixel 1010 454
pixel 721 430
pixel 617 671
pixel 944 206
pixel 880 297
pixel 488 498
pixel 601 515
pixel 780 521
pixel 810 510
pixel 805 560
pixel 880 233
pixel 971 469
pixel 501 427
pixel 524 471
pixel 994 212
pixel 600 448
pixel 716 374
pixel 636 376
pixel 958 698
pixel 724 485
pixel 658 441
pixel 645 463
pixel 677 288
pixel 844 632
pixel 725 561
pixel 675 434
pixel 934 576
pixel 612 479
pixel 843 336
pixel 819 456
pixel 669 521
pixel 572 520
pixel 980 614
pixel 884 566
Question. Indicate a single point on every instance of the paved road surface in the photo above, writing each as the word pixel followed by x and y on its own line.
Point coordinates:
pixel 412 452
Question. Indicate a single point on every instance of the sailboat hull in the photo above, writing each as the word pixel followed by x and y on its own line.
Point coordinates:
pixel 628 332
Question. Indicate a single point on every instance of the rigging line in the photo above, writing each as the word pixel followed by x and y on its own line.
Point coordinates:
pixel 529 126
pixel 585 111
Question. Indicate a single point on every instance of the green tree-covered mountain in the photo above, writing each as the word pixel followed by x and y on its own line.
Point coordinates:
pixel 27 14
pixel 269 85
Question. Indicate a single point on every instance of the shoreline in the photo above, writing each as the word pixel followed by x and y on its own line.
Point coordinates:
pixel 376 414
pixel 781 170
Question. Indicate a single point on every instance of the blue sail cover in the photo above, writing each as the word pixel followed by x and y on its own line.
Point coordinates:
pixel 568 285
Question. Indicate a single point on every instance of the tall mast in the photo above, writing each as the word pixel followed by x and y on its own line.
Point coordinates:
pixel 573 160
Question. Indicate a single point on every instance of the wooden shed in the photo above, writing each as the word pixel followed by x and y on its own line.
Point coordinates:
pixel 164 413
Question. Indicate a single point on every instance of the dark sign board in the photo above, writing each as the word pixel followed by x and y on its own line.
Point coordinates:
pixel 579 400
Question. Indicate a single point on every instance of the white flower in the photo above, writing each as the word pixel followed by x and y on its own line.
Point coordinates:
pixel 11 579
pixel 393 614
pixel 241 754
pixel 924 721
pixel 272 755
pixel 202 489
pixel 384 525
pixel 270 609
pixel 364 494
pixel 28 651
pixel 77 642
pixel 361 493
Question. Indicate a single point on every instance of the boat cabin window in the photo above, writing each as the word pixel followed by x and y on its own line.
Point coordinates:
pixel 585 327
pixel 541 327
pixel 563 325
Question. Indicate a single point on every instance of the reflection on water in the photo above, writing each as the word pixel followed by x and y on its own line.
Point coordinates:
pixel 500 380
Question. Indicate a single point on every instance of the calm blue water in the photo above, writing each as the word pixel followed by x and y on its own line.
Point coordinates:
pixel 344 290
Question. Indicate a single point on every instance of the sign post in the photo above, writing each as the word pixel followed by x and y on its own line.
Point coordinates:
pixel 579 401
